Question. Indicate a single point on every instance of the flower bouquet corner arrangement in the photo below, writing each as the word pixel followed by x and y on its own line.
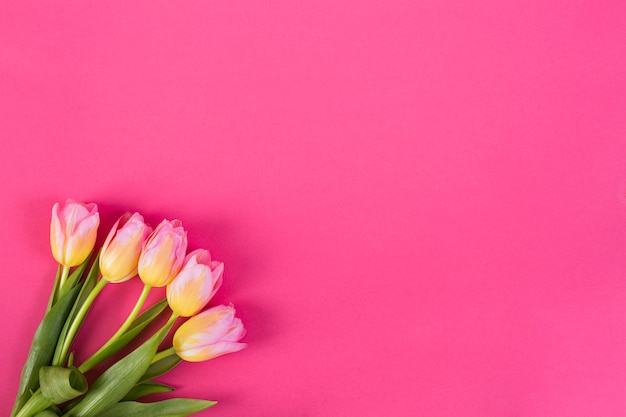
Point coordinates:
pixel 52 384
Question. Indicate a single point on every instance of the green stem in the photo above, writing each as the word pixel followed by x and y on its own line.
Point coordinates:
pixel 34 405
pixel 61 354
pixel 171 320
pixel 64 274
pixel 55 289
pixel 133 314
pixel 164 354
pixel 167 352
pixel 96 357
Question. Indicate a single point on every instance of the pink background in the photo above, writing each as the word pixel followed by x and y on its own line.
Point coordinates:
pixel 421 204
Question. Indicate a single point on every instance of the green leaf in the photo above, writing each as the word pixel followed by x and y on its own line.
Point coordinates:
pixel 54 409
pixel 88 284
pixel 146 388
pixel 46 413
pixel 176 407
pixel 119 379
pixel 59 384
pixel 76 275
pixel 55 288
pixel 91 280
pixel 161 367
pixel 137 326
pixel 147 316
pixel 42 347
pixel 85 289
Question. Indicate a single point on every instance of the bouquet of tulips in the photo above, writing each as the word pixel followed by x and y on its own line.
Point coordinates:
pixel 52 384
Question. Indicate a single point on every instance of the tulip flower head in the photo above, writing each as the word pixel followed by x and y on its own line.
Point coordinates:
pixel 210 334
pixel 73 231
pixel 120 253
pixel 163 254
pixel 196 283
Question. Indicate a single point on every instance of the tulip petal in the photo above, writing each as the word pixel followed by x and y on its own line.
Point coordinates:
pixel 236 332
pixel 163 254
pixel 120 253
pixel 57 237
pixel 203 353
pixel 210 334
pixel 196 283
pixel 73 230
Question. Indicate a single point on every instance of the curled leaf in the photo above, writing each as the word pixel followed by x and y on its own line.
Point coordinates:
pixel 59 384
pixel 113 385
pixel 42 348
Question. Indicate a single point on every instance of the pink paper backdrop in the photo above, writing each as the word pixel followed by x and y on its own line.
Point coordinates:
pixel 421 204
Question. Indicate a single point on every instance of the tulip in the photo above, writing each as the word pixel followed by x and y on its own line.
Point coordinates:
pixel 196 283
pixel 120 253
pixel 211 333
pixel 163 254
pixel 73 231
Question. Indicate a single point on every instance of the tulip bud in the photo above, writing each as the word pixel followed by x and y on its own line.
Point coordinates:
pixel 163 253
pixel 120 253
pixel 73 231
pixel 211 333
pixel 196 283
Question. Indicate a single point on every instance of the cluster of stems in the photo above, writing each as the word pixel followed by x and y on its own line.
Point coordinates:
pixel 51 379
pixel 62 357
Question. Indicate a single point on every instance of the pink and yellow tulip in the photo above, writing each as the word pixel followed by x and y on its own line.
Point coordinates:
pixel 212 333
pixel 120 253
pixel 163 253
pixel 196 283
pixel 73 231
